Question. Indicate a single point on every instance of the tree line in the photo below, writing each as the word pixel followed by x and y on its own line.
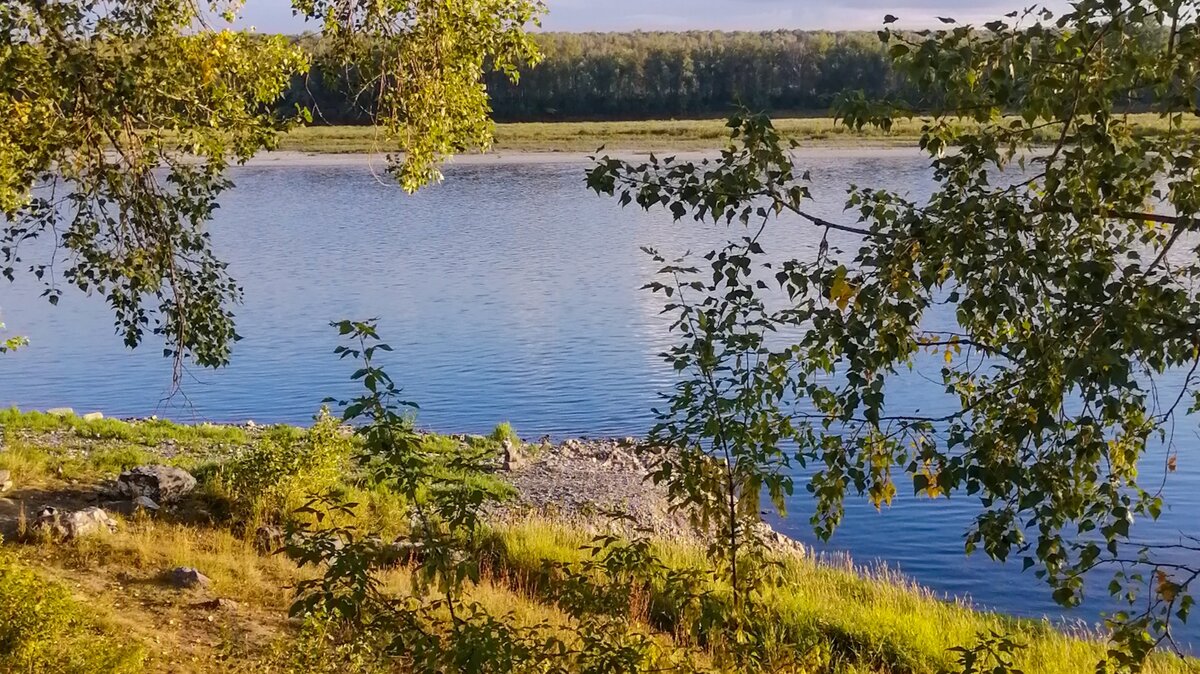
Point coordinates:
pixel 646 75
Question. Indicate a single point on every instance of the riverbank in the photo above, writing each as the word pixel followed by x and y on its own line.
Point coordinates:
pixel 113 602
pixel 655 136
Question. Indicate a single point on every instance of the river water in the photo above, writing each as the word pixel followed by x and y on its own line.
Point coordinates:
pixel 510 293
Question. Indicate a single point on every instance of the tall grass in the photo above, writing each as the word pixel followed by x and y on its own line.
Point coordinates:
pixel 863 619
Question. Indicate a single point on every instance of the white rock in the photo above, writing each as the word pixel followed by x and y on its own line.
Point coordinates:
pixel 514 457
pixel 61 412
pixel 93 416
pixel 78 524
pixel 161 484
pixel 6 482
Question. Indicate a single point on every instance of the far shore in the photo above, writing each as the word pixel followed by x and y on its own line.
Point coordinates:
pixel 378 159
pixel 572 141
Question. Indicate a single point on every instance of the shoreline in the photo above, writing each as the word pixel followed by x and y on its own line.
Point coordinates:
pixel 377 160
pixel 667 136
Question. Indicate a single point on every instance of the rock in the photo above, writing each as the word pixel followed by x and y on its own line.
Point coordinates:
pixel 216 604
pixel 186 577
pixel 93 416
pixel 250 423
pixel 514 457
pixel 61 412
pixel 402 552
pixel 6 482
pixel 161 484
pixel 145 503
pixel 268 539
pixel 69 526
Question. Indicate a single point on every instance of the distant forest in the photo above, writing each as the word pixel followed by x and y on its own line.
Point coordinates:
pixel 655 75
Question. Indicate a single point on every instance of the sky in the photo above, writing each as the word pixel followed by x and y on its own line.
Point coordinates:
pixel 615 15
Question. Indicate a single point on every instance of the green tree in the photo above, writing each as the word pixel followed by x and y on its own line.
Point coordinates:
pixel 1070 269
pixel 122 117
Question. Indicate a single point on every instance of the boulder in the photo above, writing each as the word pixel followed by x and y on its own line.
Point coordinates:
pixel 61 412
pixel 160 484
pixel 6 482
pixel 185 577
pixel 72 525
pixel 93 416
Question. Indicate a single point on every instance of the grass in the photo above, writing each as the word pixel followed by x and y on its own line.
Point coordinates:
pixel 107 592
pixel 151 432
pixel 866 620
pixel 652 136
pixel 43 628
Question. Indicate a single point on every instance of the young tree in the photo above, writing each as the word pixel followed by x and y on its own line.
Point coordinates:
pixel 121 118
pixel 1070 267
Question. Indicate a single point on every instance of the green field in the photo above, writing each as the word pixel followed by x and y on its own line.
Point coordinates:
pixel 649 136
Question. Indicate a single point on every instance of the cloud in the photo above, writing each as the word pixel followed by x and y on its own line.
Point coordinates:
pixel 576 15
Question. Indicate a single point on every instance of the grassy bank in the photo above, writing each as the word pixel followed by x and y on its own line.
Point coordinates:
pixel 106 594
pixel 650 136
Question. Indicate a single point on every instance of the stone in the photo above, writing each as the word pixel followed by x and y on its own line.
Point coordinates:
pixel 250 423
pixel 514 457
pixel 402 552
pixel 61 412
pixel 72 525
pixel 185 577
pixel 216 604
pixel 145 503
pixel 93 416
pixel 268 538
pixel 6 482
pixel 161 484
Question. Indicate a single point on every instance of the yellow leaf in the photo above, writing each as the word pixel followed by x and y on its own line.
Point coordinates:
pixel 1166 589
pixel 841 292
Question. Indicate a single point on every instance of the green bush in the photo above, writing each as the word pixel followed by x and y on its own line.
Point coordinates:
pixel 278 473
pixel 504 431
pixel 43 629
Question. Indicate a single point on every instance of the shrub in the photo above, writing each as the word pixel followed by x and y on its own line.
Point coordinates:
pixel 43 629
pixel 277 474
pixel 504 431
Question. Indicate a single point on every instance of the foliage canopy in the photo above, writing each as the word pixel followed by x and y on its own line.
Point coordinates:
pixel 1069 272
pixel 121 119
